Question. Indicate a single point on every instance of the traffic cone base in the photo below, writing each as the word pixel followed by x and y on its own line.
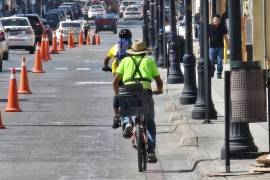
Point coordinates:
pixel 37 71
pixel 13 110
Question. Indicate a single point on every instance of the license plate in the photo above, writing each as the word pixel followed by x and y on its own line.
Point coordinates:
pixel 106 26
pixel 14 33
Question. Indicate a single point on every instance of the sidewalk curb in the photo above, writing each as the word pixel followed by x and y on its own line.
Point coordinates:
pixel 178 119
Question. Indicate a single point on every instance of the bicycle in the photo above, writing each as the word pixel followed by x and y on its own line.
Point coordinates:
pixel 133 106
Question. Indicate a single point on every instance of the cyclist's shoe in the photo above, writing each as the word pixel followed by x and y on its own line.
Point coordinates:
pixel 116 122
pixel 128 131
pixel 152 158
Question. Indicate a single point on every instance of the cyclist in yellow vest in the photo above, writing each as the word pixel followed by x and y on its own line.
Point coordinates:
pixel 116 54
pixel 137 67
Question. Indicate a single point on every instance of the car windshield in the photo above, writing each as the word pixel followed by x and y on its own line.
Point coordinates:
pixel 51 16
pixel 71 25
pixel 88 3
pixel 133 9
pixel 126 3
pixel 66 8
pixel 15 22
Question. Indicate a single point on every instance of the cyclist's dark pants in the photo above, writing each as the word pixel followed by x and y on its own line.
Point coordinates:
pixel 116 99
pixel 115 102
pixel 151 125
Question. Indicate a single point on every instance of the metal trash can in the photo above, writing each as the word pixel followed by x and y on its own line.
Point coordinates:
pixel 248 96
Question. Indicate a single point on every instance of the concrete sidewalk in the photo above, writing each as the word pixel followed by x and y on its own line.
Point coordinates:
pixel 209 138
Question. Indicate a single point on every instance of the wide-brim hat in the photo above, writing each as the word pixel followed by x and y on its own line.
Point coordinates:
pixel 138 47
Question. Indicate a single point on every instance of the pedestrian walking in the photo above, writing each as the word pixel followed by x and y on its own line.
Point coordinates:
pixel 217 33
pixel 197 23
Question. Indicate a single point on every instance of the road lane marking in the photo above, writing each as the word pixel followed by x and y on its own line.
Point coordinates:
pixel 92 82
pixel 83 69
pixel 97 50
pixel 93 61
pixel 63 68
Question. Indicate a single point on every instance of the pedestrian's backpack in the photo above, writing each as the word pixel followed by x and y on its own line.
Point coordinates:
pixel 123 46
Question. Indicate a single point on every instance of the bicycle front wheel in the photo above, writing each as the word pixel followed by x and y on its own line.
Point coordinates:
pixel 141 148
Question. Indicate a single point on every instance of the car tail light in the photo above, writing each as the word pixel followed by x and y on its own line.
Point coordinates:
pixel 2 36
pixel 29 31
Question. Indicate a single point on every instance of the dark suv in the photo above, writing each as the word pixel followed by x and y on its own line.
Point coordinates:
pixel 36 24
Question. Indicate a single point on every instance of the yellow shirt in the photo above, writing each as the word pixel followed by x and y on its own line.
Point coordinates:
pixel 111 54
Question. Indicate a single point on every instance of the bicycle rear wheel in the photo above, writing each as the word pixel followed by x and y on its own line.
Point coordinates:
pixel 141 149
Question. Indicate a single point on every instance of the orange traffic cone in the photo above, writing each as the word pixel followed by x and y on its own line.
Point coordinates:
pixel 94 39
pixel 38 63
pixel 88 39
pixel 24 85
pixel 54 44
pixel 43 48
pixel 1 123
pixel 47 48
pixel 61 43
pixel 13 103
pixel 97 39
pixel 70 40
pixel 81 38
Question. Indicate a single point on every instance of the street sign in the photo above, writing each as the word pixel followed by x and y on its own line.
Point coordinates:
pixel 33 1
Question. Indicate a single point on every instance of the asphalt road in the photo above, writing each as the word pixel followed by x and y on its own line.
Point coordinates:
pixel 64 130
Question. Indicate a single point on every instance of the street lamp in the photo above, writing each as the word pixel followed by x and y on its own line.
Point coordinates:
pixel 145 24
pixel 152 24
pixel 201 107
pixel 175 74
pixel 156 50
pixel 241 140
pixel 214 7
pixel 189 93
pixel 161 42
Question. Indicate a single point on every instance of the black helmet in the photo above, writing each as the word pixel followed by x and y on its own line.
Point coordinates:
pixel 125 33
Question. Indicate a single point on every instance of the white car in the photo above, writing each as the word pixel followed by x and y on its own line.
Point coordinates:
pixel 20 33
pixel 96 10
pixel 3 43
pixel 124 4
pixel 133 12
pixel 65 26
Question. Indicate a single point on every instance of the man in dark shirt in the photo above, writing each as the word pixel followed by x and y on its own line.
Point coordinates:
pixel 197 22
pixel 217 32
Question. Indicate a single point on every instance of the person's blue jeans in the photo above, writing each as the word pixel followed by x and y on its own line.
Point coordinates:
pixel 216 57
pixel 150 125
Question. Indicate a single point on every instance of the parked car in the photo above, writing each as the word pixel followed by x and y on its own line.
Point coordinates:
pixel 48 30
pixel 96 10
pixel 123 6
pixel 61 13
pixel 133 12
pixel 106 23
pixel 65 26
pixel 53 19
pixel 36 24
pixel 86 8
pixel 68 10
pixel 76 6
pixel 3 43
pixel 20 33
